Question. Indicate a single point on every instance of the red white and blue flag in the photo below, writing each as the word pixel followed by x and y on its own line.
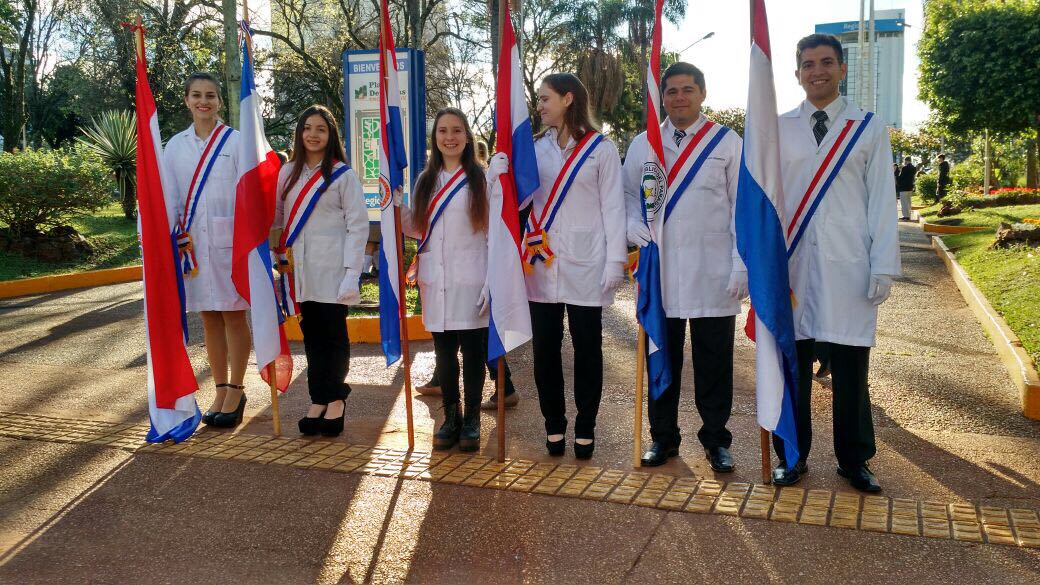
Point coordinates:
pixel 649 294
pixel 762 243
pixel 254 213
pixel 392 162
pixel 172 411
pixel 510 323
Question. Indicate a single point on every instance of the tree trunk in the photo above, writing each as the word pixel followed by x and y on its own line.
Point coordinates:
pixel 1032 162
pixel 494 26
pixel 232 61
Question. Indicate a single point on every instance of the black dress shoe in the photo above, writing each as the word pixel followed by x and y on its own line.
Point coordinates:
pixel 230 420
pixel 556 448
pixel 861 478
pixel 584 451
pixel 658 454
pixel 332 427
pixel 719 459
pixel 784 476
pixel 210 415
pixel 311 425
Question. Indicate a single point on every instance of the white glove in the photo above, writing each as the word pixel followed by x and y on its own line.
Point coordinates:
pixel 638 233
pixel 483 306
pixel 398 196
pixel 879 289
pixel 497 166
pixel 349 293
pixel 613 276
pixel 738 285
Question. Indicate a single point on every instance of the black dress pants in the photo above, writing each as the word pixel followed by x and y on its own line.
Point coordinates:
pixel 854 442
pixel 446 346
pixel 712 360
pixel 327 347
pixel 586 328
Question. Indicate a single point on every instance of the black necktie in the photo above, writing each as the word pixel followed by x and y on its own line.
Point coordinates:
pixel 678 136
pixel 819 129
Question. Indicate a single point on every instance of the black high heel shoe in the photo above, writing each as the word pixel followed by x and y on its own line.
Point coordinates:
pixel 556 448
pixel 584 451
pixel 210 415
pixel 230 420
pixel 311 425
pixel 332 427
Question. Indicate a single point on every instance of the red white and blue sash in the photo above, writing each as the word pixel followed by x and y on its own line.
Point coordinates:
pixel 536 240
pixel 690 161
pixel 301 210
pixel 823 178
pixel 217 140
pixel 433 211
pixel 437 205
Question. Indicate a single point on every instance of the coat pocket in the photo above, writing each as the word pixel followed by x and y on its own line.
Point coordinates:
pixel 717 254
pixel 842 241
pixel 223 230
pixel 429 269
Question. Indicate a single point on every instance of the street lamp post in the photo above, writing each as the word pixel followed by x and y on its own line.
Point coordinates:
pixel 690 46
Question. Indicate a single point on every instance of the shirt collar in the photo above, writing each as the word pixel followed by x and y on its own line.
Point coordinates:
pixel 833 109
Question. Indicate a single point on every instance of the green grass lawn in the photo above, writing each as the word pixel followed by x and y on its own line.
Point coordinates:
pixel 114 239
pixel 1010 279
pixel 987 217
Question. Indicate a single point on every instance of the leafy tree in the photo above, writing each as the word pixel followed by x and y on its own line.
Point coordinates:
pixel 980 67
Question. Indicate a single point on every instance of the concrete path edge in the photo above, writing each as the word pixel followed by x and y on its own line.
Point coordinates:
pixel 55 282
pixel 359 329
pixel 1018 362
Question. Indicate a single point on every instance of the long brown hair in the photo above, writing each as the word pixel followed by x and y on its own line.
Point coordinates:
pixel 578 118
pixel 427 181
pixel 333 150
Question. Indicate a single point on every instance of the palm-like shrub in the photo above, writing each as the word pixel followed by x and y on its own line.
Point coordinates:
pixel 113 136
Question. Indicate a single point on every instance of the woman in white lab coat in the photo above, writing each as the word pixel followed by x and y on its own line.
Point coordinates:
pixel 322 225
pixel 202 163
pixel 449 217
pixel 581 261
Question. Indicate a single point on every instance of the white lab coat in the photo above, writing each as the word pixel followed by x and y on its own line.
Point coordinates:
pixel 853 234
pixel 699 243
pixel 212 230
pixel 453 266
pixel 333 239
pixel 589 229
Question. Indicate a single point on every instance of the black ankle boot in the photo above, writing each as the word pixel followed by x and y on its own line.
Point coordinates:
pixel 469 438
pixel 448 434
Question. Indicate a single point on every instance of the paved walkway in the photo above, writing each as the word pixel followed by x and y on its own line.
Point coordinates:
pixel 82 501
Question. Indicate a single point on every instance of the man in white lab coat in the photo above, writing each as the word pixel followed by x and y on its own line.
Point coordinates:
pixel 838 190
pixel 703 278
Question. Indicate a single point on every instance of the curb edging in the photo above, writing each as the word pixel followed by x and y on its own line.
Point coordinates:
pixel 1018 362
pixel 47 284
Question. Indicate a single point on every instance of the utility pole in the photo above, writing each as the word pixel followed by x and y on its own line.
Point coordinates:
pixel 232 60
pixel 872 69
pixel 861 42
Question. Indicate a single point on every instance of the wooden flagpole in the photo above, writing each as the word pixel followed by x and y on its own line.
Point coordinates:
pixel 763 436
pixel 637 450
pixel 500 389
pixel 403 304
